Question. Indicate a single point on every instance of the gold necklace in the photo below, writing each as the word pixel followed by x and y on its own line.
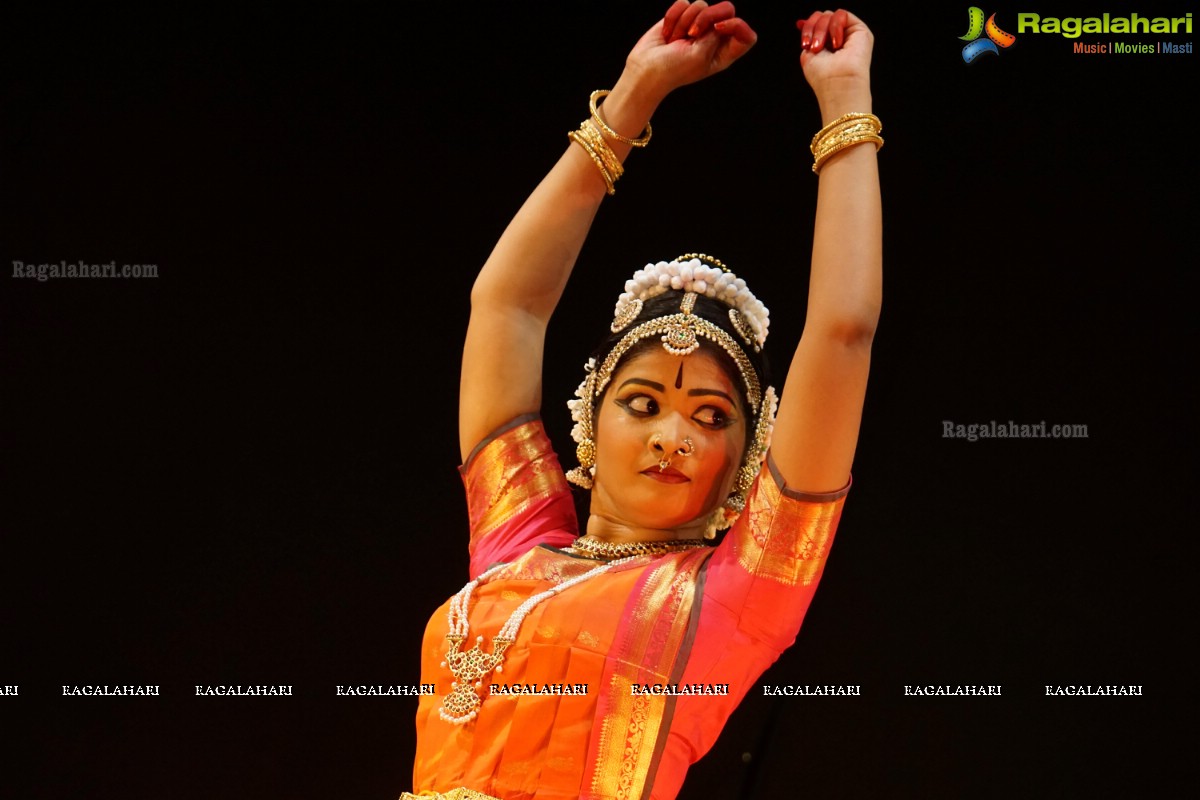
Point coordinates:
pixel 590 545
pixel 469 668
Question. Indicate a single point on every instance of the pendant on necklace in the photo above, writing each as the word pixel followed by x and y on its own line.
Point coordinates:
pixel 462 704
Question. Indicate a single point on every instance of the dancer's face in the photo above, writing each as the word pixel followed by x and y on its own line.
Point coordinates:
pixel 655 404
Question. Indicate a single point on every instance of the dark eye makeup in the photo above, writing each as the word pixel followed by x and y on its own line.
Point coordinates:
pixel 643 405
pixel 713 417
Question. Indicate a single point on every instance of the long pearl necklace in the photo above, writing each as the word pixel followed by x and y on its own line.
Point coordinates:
pixel 469 668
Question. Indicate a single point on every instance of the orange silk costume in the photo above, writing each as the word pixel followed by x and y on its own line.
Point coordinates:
pixel 709 616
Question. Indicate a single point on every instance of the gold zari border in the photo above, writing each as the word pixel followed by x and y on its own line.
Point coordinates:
pixel 648 652
pixel 461 793
pixel 784 540
pixel 508 475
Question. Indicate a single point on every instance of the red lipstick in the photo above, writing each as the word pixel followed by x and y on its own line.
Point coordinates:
pixel 668 475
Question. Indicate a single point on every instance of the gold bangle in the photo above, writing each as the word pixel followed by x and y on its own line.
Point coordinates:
pixel 641 141
pixel 850 130
pixel 842 144
pixel 589 131
pixel 845 119
pixel 587 148
pixel 847 130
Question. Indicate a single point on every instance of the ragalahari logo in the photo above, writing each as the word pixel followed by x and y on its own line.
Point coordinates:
pixel 996 38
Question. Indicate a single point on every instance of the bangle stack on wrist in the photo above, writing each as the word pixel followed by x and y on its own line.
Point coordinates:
pixel 590 137
pixel 592 141
pixel 845 131
pixel 641 141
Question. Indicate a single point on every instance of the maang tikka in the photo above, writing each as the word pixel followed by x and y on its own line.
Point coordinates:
pixel 694 274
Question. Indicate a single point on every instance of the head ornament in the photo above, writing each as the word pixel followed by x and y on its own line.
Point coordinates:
pixel 693 274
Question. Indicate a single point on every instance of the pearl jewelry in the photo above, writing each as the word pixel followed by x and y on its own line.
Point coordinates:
pixel 470 667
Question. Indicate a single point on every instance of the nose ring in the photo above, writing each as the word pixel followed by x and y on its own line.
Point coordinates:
pixel 665 461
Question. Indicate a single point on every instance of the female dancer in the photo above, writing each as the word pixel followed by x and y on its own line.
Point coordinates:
pixel 602 666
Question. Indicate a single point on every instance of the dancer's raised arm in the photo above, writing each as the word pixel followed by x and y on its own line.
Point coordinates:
pixel 822 401
pixel 522 280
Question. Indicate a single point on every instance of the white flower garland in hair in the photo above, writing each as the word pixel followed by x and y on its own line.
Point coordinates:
pixel 695 276
pixel 577 406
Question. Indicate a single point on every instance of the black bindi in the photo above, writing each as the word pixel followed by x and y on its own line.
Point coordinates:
pixel 679 378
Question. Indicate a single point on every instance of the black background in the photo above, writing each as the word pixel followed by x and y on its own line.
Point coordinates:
pixel 243 471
